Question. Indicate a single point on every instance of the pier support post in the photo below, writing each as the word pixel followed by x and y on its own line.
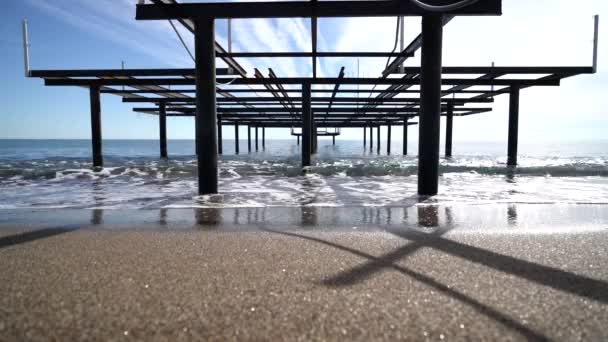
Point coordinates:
pixel 405 126
pixel 315 137
pixel 256 138
pixel 364 136
pixel 430 93
pixel 298 137
pixel 220 148
pixel 162 127
pixel 306 125
pixel 206 110
pixel 96 126
pixel 248 138
pixel 371 138
pixel 513 125
pixel 236 137
pixel 263 138
pixel 378 139
pixel 333 140
pixel 449 124
pixel 388 139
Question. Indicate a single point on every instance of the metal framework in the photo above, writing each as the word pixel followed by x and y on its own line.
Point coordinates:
pixel 219 97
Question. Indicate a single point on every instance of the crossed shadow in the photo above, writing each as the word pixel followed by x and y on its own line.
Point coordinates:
pixel 540 274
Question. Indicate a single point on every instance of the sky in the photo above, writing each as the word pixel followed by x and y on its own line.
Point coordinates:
pixel 101 34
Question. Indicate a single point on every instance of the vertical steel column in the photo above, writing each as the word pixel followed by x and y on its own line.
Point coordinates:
pixel 371 138
pixel 388 139
pixel 430 116
pixel 405 127
pixel 378 140
pixel 263 138
pixel 206 110
pixel 306 125
pixel 449 124
pixel 248 138
pixel 256 138
pixel 315 139
pixel 333 140
pixel 364 136
pixel 220 147
pixel 96 126
pixel 236 137
pixel 162 126
pixel 298 137
pixel 513 125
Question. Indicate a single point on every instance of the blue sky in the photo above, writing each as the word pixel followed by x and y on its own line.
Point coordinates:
pixel 72 34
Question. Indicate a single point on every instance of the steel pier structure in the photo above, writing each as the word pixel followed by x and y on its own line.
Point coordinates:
pixel 219 97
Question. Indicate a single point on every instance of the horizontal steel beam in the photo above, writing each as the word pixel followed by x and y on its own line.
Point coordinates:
pixel 505 70
pixel 254 100
pixel 119 72
pixel 300 80
pixel 261 91
pixel 311 54
pixel 304 9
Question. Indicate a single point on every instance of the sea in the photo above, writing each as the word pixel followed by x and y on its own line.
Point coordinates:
pixel 47 174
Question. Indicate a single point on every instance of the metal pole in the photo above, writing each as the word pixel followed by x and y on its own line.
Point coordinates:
pixel 405 127
pixel 315 139
pixel 430 116
pixel 306 125
pixel 96 126
pixel 596 25
pixel 388 139
pixel 378 140
pixel 364 136
pixel 236 137
pixel 401 39
pixel 513 125
pixel 333 140
pixel 263 138
pixel 256 138
pixel 162 125
pixel 449 124
pixel 248 138
pixel 371 138
pixel 220 147
pixel 206 110
pixel 298 137
pixel 26 49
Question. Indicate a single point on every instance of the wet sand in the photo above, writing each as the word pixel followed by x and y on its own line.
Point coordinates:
pixel 422 274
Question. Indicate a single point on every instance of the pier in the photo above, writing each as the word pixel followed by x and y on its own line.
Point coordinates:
pixel 227 96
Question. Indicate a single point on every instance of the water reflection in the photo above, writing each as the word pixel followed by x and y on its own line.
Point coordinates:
pixel 428 216
pixel 512 215
pixel 208 217
pixel 97 216
pixel 162 219
pixel 309 216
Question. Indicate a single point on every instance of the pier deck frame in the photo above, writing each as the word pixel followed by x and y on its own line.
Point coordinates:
pixel 391 106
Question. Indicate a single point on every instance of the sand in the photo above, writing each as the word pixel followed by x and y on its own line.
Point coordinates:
pixel 162 281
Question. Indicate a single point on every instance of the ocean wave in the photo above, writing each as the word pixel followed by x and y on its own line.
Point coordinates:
pixel 70 170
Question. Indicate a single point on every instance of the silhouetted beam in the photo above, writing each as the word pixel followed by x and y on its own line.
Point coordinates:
pixel 299 80
pixel 120 72
pixel 328 100
pixel 248 90
pixel 303 9
pixel 505 70
pixel 362 54
pixel 189 24
pixel 410 50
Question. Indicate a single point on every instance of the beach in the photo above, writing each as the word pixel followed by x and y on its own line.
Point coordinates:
pixel 428 275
